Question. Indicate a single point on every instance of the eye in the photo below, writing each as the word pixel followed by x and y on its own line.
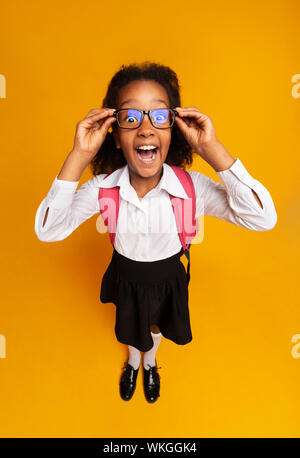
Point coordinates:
pixel 132 116
pixel 160 116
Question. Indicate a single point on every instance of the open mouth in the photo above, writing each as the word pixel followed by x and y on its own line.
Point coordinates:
pixel 147 156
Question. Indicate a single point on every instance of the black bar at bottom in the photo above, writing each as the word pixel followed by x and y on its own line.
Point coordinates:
pixel 97 447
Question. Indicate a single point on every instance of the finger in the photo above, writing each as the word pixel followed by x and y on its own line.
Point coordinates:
pixel 181 111
pixel 95 111
pixel 97 116
pixel 196 114
pixel 183 123
pixel 106 123
pixel 192 114
pixel 186 108
pixel 189 110
pixel 109 120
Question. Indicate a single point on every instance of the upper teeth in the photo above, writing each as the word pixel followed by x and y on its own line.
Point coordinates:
pixel 147 147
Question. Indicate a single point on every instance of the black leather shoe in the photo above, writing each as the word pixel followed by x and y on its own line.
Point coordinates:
pixel 128 382
pixel 151 383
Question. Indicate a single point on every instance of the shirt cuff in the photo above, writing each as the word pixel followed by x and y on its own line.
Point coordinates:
pixel 234 175
pixel 61 193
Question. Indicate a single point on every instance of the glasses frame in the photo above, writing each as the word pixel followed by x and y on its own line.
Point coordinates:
pixel 148 112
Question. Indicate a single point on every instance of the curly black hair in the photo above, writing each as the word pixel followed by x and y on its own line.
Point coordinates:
pixel 110 158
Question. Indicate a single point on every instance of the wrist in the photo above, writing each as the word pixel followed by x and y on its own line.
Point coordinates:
pixel 73 167
pixel 217 156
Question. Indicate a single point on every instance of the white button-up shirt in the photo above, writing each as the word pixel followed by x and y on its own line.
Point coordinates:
pixel 146 229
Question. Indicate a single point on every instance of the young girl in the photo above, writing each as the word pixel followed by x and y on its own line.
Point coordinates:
pixel 145 278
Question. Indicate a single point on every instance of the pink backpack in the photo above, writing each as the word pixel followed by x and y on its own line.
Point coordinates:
pixel 184 211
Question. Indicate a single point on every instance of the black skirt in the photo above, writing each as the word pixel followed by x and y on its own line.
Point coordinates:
pixel 147 293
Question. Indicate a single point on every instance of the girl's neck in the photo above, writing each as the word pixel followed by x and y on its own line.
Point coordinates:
pixel 143 185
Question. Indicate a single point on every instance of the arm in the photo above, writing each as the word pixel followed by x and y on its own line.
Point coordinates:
pixel 64 208
pixel 242 200
pixel 257 198
pixel 235 201
pixel 71 172
pixel 222 160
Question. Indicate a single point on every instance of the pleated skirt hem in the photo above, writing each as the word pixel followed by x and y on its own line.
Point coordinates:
pixel 147 293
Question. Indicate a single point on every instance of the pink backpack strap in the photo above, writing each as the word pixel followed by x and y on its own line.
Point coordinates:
pixel 185 210
pixel 109 204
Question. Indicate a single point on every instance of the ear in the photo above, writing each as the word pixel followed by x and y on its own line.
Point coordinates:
pixel 116 135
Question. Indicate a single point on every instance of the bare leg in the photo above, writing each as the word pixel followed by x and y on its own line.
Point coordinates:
pixel 155 329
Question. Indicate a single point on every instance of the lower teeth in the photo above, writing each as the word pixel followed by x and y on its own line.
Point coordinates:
pixel 147 160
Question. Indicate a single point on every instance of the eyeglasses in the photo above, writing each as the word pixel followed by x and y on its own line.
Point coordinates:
pixel 130 118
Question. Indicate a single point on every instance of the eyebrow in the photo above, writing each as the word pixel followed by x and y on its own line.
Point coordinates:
pixel 135 100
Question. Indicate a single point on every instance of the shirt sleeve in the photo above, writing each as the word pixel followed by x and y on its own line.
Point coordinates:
pixel 233 201
pixel 68 208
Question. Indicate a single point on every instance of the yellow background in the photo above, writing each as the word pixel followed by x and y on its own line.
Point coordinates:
pixel 238 377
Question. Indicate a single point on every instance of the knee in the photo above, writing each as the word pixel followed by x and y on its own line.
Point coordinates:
pixel 154 328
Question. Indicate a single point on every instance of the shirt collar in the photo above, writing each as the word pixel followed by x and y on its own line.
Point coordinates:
pixel 120 177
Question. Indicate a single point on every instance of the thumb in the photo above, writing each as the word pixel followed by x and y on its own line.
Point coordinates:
pixel 100 133
pixel 181 124
pixel 106 124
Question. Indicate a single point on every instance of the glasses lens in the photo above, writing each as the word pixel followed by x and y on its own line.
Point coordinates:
pixel 131 118
pixel 162 118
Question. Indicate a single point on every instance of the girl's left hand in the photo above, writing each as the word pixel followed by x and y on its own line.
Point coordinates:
pixel 197 128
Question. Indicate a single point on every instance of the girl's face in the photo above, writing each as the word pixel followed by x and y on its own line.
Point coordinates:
pixel 143 95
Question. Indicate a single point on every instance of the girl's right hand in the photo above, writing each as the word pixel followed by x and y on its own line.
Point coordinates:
pixel 91 131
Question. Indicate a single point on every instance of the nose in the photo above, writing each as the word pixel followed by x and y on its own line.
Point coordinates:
pixel 146 126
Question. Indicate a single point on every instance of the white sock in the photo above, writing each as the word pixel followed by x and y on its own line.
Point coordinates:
pixel 134 357
pixel 149 356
